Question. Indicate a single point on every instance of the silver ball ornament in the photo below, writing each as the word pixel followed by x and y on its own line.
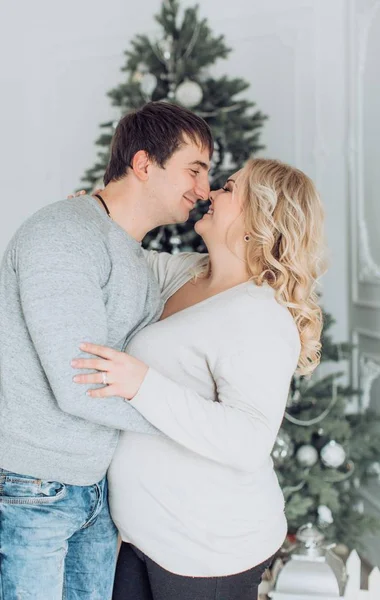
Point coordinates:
pixel 307 455
pixel 333 455
pixel 189 93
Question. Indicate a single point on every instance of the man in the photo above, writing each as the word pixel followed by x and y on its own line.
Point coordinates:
pixel 74 272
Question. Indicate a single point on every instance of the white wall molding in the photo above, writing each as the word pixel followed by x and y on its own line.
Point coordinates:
pixel 363 265
pixel 369 372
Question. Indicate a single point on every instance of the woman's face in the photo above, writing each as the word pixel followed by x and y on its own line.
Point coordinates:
pixel 224 221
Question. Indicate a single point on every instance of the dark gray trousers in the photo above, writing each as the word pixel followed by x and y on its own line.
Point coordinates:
pixel 140 578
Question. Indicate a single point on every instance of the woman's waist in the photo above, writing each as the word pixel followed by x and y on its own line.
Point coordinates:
pixel 156 471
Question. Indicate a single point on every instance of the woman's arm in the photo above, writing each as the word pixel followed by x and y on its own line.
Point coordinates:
pixel 240 429
pixel 169 269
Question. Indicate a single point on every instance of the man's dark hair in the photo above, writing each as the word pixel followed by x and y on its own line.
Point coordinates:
pixel 158 128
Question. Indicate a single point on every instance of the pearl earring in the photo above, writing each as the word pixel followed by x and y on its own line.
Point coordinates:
pixel 247 238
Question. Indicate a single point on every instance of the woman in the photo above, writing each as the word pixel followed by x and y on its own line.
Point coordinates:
pixel 199 509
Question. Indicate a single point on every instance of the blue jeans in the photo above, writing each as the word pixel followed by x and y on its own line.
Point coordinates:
pixel 57 541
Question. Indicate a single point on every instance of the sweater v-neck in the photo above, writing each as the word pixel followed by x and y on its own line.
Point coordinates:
pixel 205 300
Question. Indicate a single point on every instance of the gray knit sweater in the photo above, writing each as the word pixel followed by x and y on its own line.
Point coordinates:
pixel 70 274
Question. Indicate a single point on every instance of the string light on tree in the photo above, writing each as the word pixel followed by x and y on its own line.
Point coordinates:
pixel 283 448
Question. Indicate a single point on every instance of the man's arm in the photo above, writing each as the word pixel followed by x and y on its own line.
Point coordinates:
pixel 61 267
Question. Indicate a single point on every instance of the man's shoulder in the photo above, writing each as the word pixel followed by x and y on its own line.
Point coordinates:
pixel 67 228
pixel 75 213
pixel 67 220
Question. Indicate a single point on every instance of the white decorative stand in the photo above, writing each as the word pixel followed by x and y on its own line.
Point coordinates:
pixel 351 592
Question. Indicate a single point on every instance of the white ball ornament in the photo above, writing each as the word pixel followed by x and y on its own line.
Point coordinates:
pixel 333 455
pixel 325 516
pixel 189 93
pixel 148 83
pixel 307 455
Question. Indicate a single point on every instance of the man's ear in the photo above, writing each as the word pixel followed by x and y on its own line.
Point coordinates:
pixel 140 164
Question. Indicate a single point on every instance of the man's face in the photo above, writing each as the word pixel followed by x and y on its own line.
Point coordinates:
pixel 176 188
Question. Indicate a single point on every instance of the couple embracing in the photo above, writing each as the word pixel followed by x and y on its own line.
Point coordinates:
pixel 141 392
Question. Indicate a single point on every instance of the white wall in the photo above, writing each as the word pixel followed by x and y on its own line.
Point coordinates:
pixel 59 59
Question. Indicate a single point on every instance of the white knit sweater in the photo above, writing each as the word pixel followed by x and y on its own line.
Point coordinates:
pixel 205 501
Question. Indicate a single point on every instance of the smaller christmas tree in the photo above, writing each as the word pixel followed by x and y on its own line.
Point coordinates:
pixel 324 454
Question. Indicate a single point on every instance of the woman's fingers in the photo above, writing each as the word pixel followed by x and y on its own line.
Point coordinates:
pixel 93 378
pixel 104 392
pixel 102 351
pixel 77 194
pixel 90 363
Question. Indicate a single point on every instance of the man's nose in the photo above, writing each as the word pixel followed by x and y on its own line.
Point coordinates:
pixel 202 188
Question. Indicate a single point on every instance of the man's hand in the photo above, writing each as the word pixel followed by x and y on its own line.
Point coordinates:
pixel 121 374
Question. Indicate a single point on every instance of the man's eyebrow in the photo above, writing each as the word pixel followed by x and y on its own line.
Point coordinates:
pixel 201 164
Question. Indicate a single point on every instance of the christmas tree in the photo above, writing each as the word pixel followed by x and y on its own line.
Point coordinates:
pixel 324 452
pixel 175 68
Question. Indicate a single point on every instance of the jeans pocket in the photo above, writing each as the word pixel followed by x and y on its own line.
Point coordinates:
pixel 24 489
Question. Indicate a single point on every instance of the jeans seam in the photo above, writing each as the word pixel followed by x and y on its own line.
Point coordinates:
pixel 96 510
pixel 30 500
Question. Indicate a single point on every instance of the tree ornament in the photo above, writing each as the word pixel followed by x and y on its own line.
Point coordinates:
pixel 148 83
pixel 137 77
pixel 307 455
pixel 283 448
pixel 141 70
pixel 333 455
pixel 325 517
pixel 189 93
pixel 175 243
pixel 374 470
pixel 165 48
pixel 359 507
pixel 155 245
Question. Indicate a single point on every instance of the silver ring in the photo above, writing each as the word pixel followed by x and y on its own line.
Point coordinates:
pixel 104 378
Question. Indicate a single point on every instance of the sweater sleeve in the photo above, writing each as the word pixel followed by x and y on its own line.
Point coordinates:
pixel 170 269
pixel 60 268
pixel 240 428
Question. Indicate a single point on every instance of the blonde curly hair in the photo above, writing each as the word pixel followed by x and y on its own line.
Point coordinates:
pixel 284 220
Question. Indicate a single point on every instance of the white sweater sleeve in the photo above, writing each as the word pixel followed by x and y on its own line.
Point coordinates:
pixel 239 430
pixel 170 269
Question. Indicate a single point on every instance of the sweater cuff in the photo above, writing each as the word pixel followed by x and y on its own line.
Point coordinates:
pixel 148 394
